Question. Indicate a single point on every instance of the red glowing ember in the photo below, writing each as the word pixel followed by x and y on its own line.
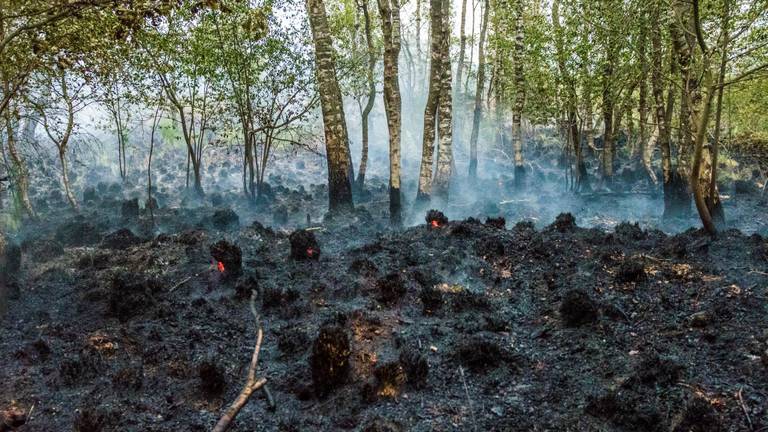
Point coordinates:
pixel 310 252
pixel 220 266
pixel 436 219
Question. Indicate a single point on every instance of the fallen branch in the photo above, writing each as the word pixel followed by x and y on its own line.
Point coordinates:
pixel 251 385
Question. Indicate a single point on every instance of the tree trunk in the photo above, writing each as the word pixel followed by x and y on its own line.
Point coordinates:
pixel 660 111
pixel 390 24
pixel 360 183
pixel 3 287
pixel 336 137
pixel 642 108
pixel 65 180
pixel 480 84
pixel 462 46
pixel 714 204
pixel 647 156
pixel 579 169
pixel 608 108
pixel 433 97
pixel 444 168
pixel 517 111
pixel 63 144
pixel 21 174
pixel 679 202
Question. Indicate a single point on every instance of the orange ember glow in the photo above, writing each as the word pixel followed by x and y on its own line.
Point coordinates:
pixel 435 224
pixel 220 266
pixel 310 252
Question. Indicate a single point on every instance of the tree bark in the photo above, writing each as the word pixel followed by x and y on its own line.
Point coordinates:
pixel 444 169
pixel 579 169
pixel 643 154
pixel 360 183
pixel 679 202
pixel 480 84
pixel 462 47
pixel 660 111
pixel 336 137
pixel 424 192
pixel 608 132
pixel 714 204
pixel 390 23
pixel 517 111
pixel 21 174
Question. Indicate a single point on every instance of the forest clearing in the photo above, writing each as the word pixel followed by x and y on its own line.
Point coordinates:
pixel 383 216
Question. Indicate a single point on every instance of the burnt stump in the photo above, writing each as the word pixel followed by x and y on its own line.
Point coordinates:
pixel 304 245
pixel 229 257
pixel 330 359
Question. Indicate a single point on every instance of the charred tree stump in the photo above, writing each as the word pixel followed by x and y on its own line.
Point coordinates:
pixel 436 219
pixel 304 246
pixel 229 258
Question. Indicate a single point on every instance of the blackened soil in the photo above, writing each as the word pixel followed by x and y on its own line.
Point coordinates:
pixel 467 326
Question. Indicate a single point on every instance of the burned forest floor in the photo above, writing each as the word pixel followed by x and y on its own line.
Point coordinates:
pixel 472 324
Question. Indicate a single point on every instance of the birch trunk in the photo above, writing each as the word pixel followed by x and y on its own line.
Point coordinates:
pixel 360 183
pixel 444 169
pixel 517 113
pixel 336 137
pixel 462 47
pixel 390 24
pixel 433 97
pixel 480 84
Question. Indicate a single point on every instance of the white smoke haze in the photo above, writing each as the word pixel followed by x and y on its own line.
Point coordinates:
pixel 94 154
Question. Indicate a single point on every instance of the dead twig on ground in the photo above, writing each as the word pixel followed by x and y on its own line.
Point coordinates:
pixel 183 281
pixel 744 408
pixel 252 383
pixel 270 399
pixel 469 400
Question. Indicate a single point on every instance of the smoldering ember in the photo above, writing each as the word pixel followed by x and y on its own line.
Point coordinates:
pixel 383 216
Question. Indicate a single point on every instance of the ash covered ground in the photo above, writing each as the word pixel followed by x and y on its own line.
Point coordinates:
pixel 511 314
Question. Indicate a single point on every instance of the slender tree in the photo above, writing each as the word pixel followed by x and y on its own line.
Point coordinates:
pixel 480 85
pixel 390 24
pixel 444 168
pixel 336 137
pixel 363 5
pixel 517 110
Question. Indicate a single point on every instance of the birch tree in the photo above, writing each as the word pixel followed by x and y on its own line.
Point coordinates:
pixel 336 136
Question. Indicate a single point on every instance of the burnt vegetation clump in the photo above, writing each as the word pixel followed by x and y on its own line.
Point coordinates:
pixel 578 308
pixel 329 361
pixel 631 269
pixel 304 246
pixel 480 353
pixel 564 222
pixel 435 219
pixel 391 288
pixel 130 296
pixel 229 257
pixel 225 219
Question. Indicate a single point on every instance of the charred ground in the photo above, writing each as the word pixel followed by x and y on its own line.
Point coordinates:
pixel 467 324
